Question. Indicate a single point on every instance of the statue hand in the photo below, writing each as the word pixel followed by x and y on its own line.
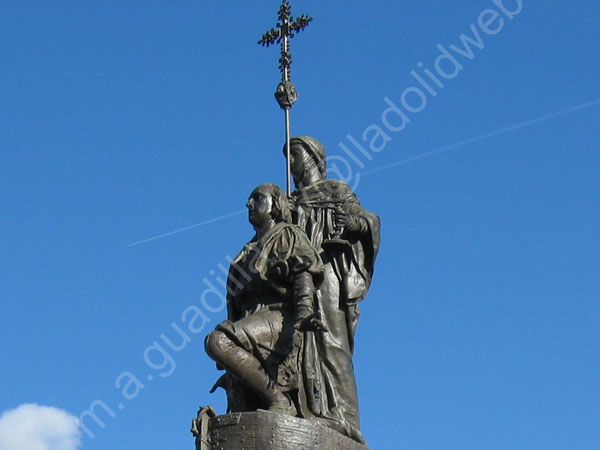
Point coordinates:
pixel 345 221
pixel 312 323
pixel 340 219
pixel 278 271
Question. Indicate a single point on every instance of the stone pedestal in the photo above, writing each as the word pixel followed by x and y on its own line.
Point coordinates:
pixel 269 431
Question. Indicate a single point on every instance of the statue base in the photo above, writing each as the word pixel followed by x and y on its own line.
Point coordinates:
pixel 265 430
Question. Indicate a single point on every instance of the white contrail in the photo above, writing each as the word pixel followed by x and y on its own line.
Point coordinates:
pixel 446 148
pixel 482 137
pixel 206 222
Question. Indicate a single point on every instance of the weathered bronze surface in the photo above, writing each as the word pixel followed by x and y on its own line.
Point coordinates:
pixel 293 296
pixel 329 212
pixel 261 431
pixel 292 300
pixel 270 300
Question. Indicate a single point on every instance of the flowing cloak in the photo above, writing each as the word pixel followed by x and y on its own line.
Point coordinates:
pixel 262 274
pixel 328 368
pixel 260 307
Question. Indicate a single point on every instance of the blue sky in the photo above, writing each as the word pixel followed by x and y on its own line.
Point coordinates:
pixel 124 121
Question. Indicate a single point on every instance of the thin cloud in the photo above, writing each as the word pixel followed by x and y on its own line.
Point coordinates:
pixel 35 427
pixel 483 137
pixel 180 230
pixel 404 161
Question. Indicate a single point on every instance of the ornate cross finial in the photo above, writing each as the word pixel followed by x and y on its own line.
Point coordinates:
pixel 287 27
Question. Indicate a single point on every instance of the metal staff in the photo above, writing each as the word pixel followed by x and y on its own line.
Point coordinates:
pixel 286 95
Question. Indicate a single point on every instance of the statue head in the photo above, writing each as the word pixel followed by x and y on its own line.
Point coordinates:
pixel 307 159
pixel 268 202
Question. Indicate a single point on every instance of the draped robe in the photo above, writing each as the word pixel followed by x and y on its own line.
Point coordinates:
pixel 330 385
pixel 260 305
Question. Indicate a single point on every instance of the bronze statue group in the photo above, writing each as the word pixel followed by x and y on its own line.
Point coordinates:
pixel 293 296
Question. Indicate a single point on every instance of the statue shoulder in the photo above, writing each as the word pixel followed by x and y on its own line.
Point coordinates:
pixel 337 186
pixel 289 251
pixel 290 233
pixel 324 189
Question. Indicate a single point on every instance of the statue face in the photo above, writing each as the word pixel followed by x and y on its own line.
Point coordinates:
pixel 260 206
pixel 297 162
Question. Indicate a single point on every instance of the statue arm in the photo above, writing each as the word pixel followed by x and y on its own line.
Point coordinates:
pixel 307 319
pixel 358 224
pixel 353 220
pixel 295 262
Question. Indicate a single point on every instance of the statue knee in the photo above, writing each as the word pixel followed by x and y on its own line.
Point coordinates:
pixel 216 344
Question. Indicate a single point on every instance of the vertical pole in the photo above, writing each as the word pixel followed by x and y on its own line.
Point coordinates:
pixel 288 152
pixel 286 93
pixel 286 77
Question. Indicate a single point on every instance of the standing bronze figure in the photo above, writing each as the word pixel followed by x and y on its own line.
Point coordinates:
pixel 329 211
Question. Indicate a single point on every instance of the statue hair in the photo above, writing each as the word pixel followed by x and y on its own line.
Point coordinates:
pixel 281 207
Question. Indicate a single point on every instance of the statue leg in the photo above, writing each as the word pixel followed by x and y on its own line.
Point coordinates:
pixel 335 348
pixel 248 370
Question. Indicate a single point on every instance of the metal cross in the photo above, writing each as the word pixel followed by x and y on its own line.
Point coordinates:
pixel 286 95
